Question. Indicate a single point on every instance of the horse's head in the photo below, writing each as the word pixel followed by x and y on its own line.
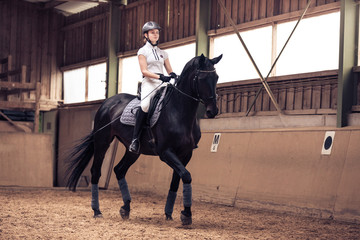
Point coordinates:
pixel 205 81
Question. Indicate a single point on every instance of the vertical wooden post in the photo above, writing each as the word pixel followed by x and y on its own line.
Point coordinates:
pixel 347 60
pixel 37 108
pixel 202 39
pixel 23 80
pixel 112 62
pixel 202 25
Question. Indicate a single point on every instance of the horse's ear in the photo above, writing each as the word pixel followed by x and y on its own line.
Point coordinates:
pixel 202 60
pixel 216 60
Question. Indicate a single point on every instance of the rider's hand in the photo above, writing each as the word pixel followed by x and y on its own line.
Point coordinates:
pixel 164 78
pixel 173 75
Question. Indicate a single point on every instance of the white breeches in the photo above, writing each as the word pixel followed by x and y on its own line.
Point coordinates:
pixel 148 90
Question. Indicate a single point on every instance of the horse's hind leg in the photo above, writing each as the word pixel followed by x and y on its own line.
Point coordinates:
pixel 120 170
pixel 100 149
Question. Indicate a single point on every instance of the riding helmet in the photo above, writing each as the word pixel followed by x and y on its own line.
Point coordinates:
pixel 149 26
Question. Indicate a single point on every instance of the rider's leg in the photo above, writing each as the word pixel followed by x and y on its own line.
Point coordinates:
pixel 139 125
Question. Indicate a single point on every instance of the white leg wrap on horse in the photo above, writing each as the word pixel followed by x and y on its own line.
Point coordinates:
pixel 170 201
pixel 187 194
pixel 124 190
pixel 95 197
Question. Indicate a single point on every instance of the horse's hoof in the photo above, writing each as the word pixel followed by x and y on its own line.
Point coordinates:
pixel 185 219
pixel 97 214
pixel 168 217
pixel 124 213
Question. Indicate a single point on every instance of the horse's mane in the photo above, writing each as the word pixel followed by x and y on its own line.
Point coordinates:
pixel 189 66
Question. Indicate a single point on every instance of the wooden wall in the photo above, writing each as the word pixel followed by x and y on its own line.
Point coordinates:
pixel 32 36
pixel 86 35
pixel 176 17
pixel 310 93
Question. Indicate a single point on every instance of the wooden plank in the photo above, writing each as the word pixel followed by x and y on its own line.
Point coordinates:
pixel 270 8
pixel 10 73
pixel 181 9
pixel 316 97
pixel 326 97
pixel 18 85
pixel 334 94
pixel 262 9
pixel 266 101
pixel 255 10
pixel 290 99
pixel 234 11
pixel 44 55
pixel 307 97
pixel 277 7
pixel 169 20
pixel 245 101
pixel 259 102
pixel 37 108
pixel 228 6
pixel 175 20
pixel 241 14
pixel 16 105
pixel 237 102
pixel 192 17
pixel 285 8
pixel 282 98
pixel 248 6
pixel 186 18
pixel 85 22
pixel 294 5
pixel 302 4
pixel 13 38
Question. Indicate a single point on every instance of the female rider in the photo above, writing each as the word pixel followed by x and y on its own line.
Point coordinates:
pixel 151 60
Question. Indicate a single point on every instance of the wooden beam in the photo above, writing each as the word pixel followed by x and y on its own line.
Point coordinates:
pixel 112 63
pixel 347 60
pixel 18 85
pixel 202 25
pixel 17 105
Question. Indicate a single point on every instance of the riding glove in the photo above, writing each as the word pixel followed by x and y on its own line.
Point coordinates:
pixel 164 78
pixel 173 75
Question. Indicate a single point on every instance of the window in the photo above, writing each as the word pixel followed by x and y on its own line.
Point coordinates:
pixel 314 46
pixel 130 70
pixel 235 64
pixel 80 86
pixel 74 86
pixel 97 82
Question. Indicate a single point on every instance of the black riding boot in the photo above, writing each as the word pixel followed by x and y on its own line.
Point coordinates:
pixel 140 120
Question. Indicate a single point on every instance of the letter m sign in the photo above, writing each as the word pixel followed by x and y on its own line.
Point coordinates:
pixel 215 142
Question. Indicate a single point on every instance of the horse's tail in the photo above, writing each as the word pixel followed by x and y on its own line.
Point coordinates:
pixel 78 159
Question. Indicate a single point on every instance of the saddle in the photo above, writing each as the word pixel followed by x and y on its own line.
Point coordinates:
pixel 128 116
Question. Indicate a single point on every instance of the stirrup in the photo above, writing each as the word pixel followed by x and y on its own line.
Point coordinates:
pixel 134 146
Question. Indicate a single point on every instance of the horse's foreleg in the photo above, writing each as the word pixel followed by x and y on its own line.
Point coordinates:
pixel 120 170
pixel 174 186
pixel 173 161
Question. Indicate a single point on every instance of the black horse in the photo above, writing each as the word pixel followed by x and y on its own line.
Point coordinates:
pixel 172 138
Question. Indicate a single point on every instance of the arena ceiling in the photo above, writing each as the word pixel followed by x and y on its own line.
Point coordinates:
pixel 69 7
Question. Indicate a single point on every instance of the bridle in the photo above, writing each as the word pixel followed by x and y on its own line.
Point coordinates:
pixel 196 87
